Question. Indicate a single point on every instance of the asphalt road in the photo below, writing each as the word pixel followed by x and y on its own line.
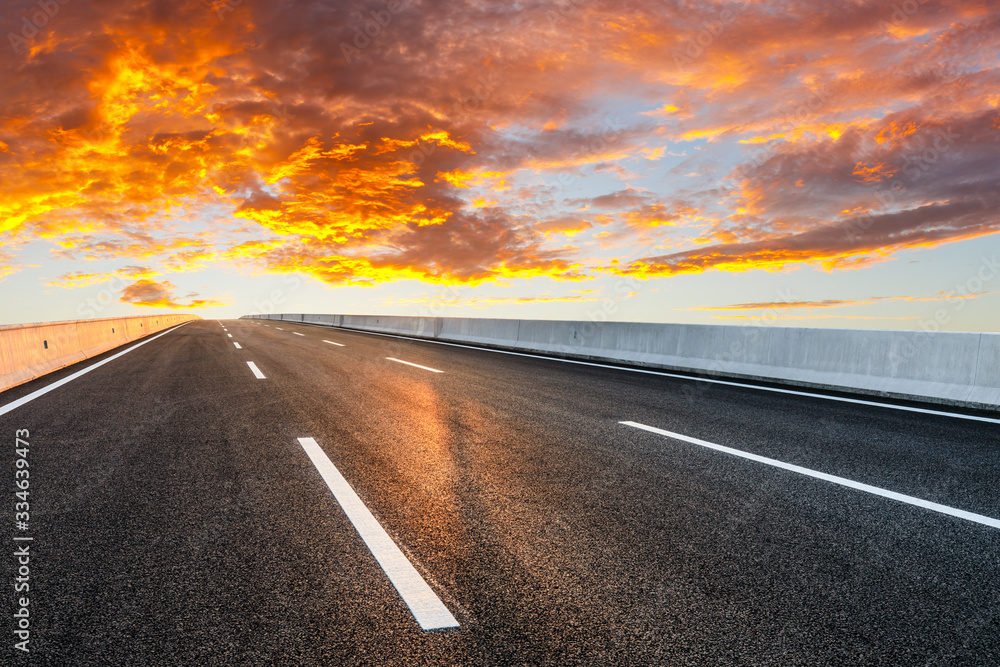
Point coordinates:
pixel 177 519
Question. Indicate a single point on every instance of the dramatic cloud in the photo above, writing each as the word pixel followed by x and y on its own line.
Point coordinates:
pixel 470 142
pixel 7 265
pixel 82 279
pixel 160 295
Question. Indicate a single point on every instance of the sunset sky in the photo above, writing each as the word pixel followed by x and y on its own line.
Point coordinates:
pixel 802 163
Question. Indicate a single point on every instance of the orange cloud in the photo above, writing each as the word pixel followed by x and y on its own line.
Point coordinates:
pixel 152 294
pixel 783 316
pixel 785 305
pixel 566 225
pixel 83 279
pixel 124 127
pixel 873 174
pixel 841 303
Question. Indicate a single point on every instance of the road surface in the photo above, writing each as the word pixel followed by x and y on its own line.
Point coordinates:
pixel 191 503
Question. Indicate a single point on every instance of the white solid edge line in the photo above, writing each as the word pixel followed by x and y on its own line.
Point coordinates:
pixel 69 378
pixel 256 371
pixel 911 500
pixel 410 363
pixel 238 347
pixel 298 334
pixel 777 390
pixel 332 343
pixel 423 602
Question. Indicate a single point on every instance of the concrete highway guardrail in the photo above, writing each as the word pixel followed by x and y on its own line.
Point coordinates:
pixel 28 351
pixel 961 369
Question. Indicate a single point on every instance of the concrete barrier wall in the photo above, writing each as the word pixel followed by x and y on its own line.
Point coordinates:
pixel 987 386
pixel 948 368
pixel 28 351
